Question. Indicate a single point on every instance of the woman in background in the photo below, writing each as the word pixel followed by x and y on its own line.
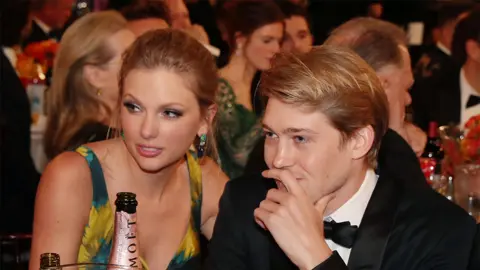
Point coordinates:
pixel 84 86
pixel 255 30
pixel 168 83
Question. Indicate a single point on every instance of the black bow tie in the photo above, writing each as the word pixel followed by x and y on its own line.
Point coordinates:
pixel 341 233
pixel 472 101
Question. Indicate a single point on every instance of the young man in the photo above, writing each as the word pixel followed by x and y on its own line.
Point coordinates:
pixel 324 120
pixel 298 37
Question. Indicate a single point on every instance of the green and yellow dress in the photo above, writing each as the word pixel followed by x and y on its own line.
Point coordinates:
pixel 98 233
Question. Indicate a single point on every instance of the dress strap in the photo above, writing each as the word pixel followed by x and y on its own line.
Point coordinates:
pixel 100 194
pixel 195 174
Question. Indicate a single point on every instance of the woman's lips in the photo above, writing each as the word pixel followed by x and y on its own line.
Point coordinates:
pixel 148 151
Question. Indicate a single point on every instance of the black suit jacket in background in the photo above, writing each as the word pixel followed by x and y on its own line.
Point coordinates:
pixel 406 226
pixel 438 99
pixel 36 35
pixel 19 177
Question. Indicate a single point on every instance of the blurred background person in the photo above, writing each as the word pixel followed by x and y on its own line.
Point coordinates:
pixel 298 37
pixel 437 59
pixel 455 96
pixel 255 30
pixel 84 88
pixel 18 178
pixel 49 18
pixel 145 16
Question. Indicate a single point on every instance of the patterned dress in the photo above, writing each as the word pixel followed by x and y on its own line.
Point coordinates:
pixel 238 131
pixel 98 233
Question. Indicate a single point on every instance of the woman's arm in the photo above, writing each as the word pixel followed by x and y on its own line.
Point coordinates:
pixel 62 208
pixel 213 183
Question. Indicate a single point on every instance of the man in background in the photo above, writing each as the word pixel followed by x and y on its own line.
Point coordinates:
pixel 437 59
pixel 49 17
pixel 145 16
pixel 298 37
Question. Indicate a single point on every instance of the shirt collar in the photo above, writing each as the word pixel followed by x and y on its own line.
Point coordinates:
pixel 354 208
pixel 45 28
pixel 11 56
pixel 443 48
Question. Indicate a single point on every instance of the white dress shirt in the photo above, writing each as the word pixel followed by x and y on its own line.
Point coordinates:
pixel 45 28
pixel 11 56
pixel 466 89
pixel 443 48
pixel 353 211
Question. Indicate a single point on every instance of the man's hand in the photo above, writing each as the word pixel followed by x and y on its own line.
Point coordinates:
pixel 294 221
pixel 415 137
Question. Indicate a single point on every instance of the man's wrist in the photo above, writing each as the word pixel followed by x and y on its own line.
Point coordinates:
pixel 316 257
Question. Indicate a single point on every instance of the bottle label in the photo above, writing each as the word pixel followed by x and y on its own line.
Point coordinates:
pixel 428 168
pixel 125 245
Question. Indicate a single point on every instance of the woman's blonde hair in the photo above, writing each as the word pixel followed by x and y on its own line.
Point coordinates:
pixel 177 52
pixel 336 82
pixel 72 102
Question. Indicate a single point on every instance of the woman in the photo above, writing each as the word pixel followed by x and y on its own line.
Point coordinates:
pixel 255 32
pixel 84 86
pixel 167 84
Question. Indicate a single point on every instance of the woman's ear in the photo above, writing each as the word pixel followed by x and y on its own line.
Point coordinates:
pixel 207 120
pixel 93 75
pixel 240 41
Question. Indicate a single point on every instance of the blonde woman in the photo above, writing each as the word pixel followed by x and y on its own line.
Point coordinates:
pixel 84 87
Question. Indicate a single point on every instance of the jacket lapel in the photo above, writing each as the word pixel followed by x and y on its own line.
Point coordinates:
pixel 377 222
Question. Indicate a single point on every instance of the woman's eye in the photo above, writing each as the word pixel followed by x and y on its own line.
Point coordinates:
pixel 131 107
pixel 172 114
pixel 268 134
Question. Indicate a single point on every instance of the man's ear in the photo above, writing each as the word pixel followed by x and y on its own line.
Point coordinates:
pixel 362 142
pixel 472 49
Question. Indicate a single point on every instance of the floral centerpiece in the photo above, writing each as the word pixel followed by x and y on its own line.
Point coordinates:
pixel 34 65
pixel 461 146
pixel 462 158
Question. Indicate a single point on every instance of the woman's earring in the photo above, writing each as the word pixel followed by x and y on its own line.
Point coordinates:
pixel 201 145
pixel 99 92
pixel 123 135
pixel 238 51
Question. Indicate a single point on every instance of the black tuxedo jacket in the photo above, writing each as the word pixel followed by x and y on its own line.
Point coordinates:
pixel 36 35
pixel 438 99
pixel 406 225
pixel 19 177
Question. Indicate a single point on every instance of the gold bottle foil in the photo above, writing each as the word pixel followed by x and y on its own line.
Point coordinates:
pixel 125 243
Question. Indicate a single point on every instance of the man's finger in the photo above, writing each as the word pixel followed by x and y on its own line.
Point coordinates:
pixel 287 179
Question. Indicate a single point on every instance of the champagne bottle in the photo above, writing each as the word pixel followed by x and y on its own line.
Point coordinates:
pixel 125 249
pixel 49 261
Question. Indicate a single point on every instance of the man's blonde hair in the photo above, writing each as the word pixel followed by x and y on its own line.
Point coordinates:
pixel 336 82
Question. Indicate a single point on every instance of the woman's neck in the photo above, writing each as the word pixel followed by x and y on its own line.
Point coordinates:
pixel 150 185
pixel 239 70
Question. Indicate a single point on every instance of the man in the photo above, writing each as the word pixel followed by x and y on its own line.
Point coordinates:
pixel 383 46
pixel 438 58
pixel 455 97
pixel 181 20
pixel 18 176
pixel 146 16
pixel 49 16
pixel 324 121
pixel 298 37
